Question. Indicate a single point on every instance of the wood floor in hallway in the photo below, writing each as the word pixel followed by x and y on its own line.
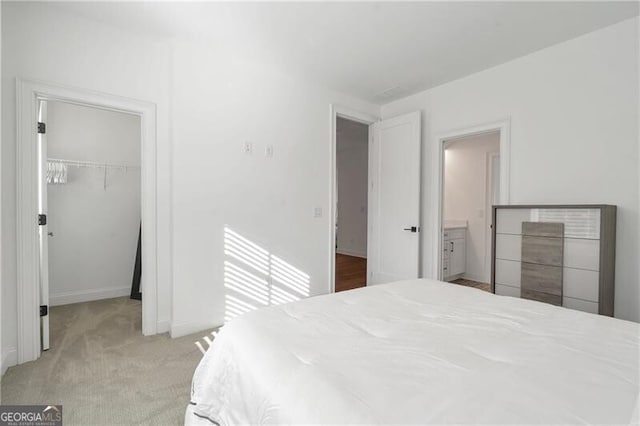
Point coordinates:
pixel 351 272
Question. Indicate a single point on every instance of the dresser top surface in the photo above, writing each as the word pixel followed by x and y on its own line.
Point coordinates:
pixel 554 206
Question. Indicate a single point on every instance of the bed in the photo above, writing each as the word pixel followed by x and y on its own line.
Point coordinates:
pixel 419 351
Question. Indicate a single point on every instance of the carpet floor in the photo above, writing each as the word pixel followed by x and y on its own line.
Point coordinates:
pixel 103 371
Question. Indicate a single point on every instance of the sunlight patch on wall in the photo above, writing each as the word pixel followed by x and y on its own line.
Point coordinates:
pixel 245 283
pixel 243 250
pixel 291 282
pixel 256 278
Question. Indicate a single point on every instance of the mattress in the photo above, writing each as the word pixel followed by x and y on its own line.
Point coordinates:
pixel 419 351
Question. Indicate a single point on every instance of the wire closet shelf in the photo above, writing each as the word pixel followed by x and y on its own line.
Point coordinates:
pixel 95 164
pixel 57 169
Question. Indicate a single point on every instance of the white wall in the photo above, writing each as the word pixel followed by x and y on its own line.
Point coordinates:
pixel 574 134
pixel 352 158
pixel 95 230
pixel 221 100
pixel 466 191
pixel 40 43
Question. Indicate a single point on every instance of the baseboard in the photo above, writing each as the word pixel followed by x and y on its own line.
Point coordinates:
pixel 9 359
pixel 353 253
pixel 65 298
pixel 163 326
pixel 452 278
pixel 186 328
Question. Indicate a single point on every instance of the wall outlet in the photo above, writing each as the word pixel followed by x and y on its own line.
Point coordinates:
pixel 247 148
pixel 317 212
pixel 268 151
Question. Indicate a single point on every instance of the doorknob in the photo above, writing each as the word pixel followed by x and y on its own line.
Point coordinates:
pixel 412 229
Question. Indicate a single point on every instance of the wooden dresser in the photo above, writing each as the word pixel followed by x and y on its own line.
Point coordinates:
pixel 560 254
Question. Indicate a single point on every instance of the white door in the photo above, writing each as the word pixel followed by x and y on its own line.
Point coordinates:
pixel 394 199
pixel 43 228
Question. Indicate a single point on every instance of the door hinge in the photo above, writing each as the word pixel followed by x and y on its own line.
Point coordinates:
pixel 42 219
pixel 42 128
pixel 44 310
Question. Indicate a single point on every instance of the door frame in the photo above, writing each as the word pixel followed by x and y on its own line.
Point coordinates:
pixel 353 115
pixel 28 93
pixel 504 128
pixel 488 203
pixel 43 196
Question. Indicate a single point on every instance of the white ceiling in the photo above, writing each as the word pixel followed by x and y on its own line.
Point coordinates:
pixel 375 51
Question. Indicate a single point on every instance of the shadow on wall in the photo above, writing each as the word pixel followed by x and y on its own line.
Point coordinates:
pixel 255 278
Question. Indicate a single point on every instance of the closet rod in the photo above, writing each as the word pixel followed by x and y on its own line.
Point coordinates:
pixel 93 164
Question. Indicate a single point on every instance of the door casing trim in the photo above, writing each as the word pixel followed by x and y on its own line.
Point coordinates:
pixel 502 126
pixel 336 111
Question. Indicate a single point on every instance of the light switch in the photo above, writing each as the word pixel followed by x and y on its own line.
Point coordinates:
pixel 317 212
pixel 247 148
pixel 268 151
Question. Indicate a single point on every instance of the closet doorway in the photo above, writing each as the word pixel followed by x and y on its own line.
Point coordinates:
pixel 90 218
pixel 352 157
pixel 32 308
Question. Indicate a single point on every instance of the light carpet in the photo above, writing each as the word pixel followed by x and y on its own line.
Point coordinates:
pixel 104 372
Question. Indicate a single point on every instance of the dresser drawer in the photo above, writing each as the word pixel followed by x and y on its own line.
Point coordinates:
pixel 510 220
pixel 508 273
pixel 505 290
pixel 581 284
pixel 579 223
pixel 582 254
pixel 508 247
pixel 580 305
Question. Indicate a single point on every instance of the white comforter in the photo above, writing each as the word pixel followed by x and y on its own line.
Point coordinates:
pixel 418 351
